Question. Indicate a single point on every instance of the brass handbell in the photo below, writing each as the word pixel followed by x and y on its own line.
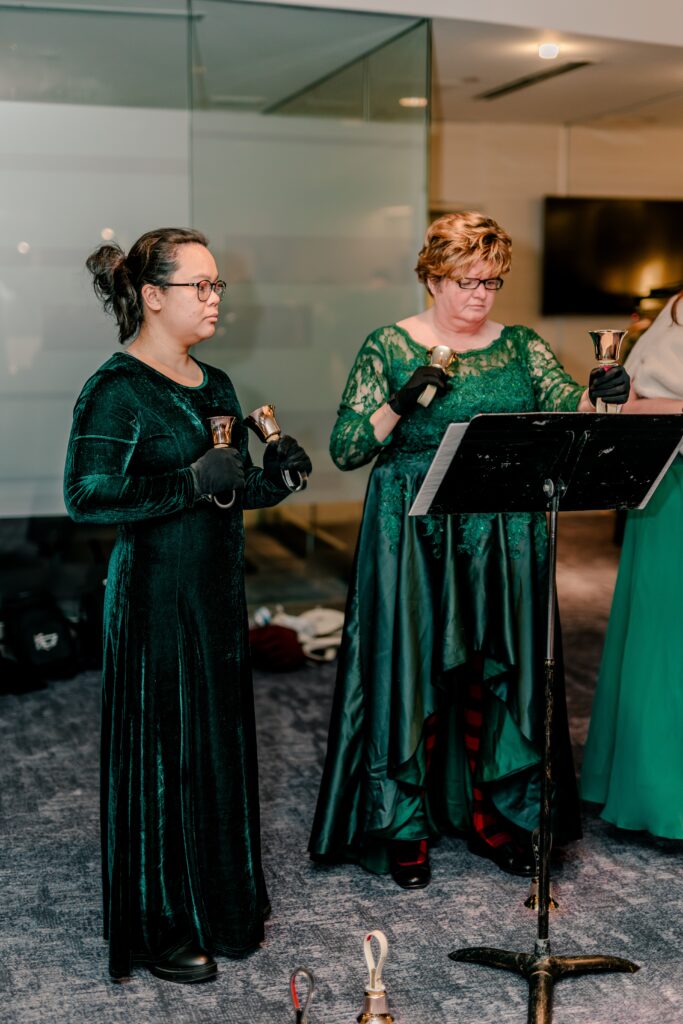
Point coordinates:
pixel 375 1005
pixel 532 899
pixel 607 344
pixel 443 356
pixel 262 421
pixel 221 432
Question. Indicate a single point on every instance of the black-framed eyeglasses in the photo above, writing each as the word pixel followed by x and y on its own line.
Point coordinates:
pixel 204 288
pixel 491 284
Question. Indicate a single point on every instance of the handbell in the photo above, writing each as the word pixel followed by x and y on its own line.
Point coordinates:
pixel 440 355
pixel 607 344
pixel 375 1005
pixel 221 432
pixel 262 421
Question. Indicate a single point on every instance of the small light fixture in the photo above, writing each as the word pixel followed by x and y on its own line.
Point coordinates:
pixel 23 248
pixel 548 51
pixel 413 101
pixel 107 234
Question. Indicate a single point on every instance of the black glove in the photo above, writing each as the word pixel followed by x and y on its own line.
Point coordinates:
pixel 218 471
pixel 285 454
pixel 612 384
pixel 406 398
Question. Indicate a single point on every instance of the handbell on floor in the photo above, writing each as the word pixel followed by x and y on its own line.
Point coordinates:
pixel 375 1004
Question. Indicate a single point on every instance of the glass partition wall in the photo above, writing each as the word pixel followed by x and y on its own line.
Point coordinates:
pixel 295 138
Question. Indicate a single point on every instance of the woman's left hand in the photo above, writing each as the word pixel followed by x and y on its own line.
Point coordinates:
pixel 285 454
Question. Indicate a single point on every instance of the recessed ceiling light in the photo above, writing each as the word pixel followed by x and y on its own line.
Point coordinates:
pixel 23 248
pixel 413 101
pixel 107 234
pixel 548 51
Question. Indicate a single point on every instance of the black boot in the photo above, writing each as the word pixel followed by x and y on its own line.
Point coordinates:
pixel 186 965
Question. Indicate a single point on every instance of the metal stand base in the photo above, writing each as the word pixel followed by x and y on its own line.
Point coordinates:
pixel 541 971
pixel 540 968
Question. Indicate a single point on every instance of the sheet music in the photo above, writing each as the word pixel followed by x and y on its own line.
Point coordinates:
pixel 450 443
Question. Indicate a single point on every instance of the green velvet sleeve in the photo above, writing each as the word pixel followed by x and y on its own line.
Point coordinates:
pixel 555 389
pixel 259 492
pixel 353 441
pixel 97 486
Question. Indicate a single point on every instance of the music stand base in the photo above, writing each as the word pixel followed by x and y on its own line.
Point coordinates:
pixel 541 971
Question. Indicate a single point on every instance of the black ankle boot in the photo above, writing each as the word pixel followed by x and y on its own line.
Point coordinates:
pixel 416 875
pixel 186 965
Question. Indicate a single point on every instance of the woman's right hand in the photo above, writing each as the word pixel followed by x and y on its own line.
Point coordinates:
pixel 405 399
pixel 218 471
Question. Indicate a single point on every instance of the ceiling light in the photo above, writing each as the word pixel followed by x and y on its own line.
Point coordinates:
pixel 107 234
pixel 23 248
pixel 413 101
pixel 548 51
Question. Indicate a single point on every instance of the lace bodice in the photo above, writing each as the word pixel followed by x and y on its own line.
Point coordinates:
pixel 518 372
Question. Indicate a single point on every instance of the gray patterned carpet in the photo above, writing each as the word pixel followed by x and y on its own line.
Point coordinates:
pixel 619 893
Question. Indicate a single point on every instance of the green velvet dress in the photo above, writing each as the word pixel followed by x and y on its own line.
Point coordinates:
pixel 633 764
pixel 427 593
pixel 179 811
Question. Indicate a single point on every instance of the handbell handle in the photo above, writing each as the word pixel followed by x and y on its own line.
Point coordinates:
pixel 290 482
pixel 375 969
pixel 301 1009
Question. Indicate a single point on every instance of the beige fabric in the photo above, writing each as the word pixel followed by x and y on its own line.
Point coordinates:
pixel 656 362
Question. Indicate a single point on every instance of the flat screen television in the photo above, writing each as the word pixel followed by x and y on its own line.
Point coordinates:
pixel 606 255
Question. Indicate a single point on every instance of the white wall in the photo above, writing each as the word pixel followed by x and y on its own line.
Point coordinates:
pixel 658 21
pixel 506 170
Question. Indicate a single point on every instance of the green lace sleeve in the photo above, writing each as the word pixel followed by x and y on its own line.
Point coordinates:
pixel 555 389
pixel 353 441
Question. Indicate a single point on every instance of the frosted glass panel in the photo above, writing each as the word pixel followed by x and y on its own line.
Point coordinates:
pixel 315 207
pixel 142 116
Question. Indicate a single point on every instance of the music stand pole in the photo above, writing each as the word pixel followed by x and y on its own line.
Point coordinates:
pixel 540 968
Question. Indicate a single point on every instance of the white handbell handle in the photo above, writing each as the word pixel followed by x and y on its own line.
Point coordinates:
pixel 289 480
pixel 606 407
pixel 375 970
pixel 222 504
pixel 427 396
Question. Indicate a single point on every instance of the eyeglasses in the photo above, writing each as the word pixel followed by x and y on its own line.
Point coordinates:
pixel 491 284
pixel 204 288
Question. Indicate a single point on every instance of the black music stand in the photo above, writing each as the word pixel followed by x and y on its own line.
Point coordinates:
pixel 554 462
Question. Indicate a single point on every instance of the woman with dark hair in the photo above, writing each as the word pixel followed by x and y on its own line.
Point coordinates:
pixel 180 815
pixel 633 763
pixel 437 723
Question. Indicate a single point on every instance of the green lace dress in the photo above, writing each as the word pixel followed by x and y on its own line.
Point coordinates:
pixel 426 594
pixel 179 792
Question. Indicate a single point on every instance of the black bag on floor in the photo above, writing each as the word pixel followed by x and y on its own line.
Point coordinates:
pixel 38 636
pixel 90 626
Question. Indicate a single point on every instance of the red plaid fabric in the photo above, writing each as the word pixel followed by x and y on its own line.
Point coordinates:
pixel 408 853
pixel 485 822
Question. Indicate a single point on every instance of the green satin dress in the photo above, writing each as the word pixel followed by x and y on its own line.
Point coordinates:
pixel 426 594
pixel 633 764
pixel 179 789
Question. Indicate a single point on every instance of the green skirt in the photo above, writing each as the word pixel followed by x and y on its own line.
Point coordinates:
pixel 633 763
pixel 427 593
